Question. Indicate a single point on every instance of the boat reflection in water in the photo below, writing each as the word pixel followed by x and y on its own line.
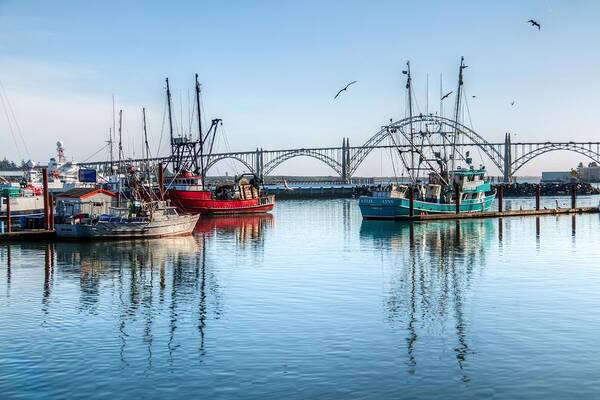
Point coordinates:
pixel 140 281
pixel 244 227
pixel 149 289
pixel 421 296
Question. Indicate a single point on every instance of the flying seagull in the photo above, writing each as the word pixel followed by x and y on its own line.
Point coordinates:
pixel 341 90
pixel 535 23
pixel 446 95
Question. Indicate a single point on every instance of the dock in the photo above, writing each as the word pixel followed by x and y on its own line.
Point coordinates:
pixel 500 214
pixel 31 235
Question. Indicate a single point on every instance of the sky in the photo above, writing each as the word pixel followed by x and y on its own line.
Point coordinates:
pixel 270 70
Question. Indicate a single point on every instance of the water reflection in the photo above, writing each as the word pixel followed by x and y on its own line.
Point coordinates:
pixel 422 296
pixel 245 228
pixel 151 286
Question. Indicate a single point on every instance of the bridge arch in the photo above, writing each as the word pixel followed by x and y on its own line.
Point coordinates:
pixel 580 148
pixel 216 159
pixel 432 124
pixel 279 159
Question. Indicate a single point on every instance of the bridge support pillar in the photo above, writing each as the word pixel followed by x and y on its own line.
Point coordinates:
pixel 259 163
pixel 507 159
pixel 345 160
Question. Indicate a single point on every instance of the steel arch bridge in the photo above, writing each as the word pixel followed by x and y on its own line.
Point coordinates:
pixel 507 156
pixel 533 150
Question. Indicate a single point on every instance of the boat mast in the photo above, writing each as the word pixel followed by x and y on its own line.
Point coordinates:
pixel 120 155
pixel 146 141
pixel 120 139
pixel 410 120
pixel 457 111
pixel 111 133
pixel 170 114
pixel 200 137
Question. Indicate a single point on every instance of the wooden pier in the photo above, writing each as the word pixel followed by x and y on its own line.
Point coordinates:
pixel 501 214
pixel 31 235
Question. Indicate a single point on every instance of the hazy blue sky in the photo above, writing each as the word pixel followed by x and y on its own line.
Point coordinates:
pixel 271 68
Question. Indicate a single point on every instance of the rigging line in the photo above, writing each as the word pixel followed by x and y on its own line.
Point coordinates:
pixel 393 163
pixel 96 153
pixel 19 131
pixel 162 127
pixel 10 127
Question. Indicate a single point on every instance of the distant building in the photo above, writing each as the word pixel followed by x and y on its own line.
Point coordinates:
pixel 559 176
pixel 591 173
pixel 90 201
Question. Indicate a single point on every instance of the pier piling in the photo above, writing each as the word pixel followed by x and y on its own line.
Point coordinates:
pixel 411 202
pixel 160 178
pixel 46 200
pixel 574 196
pixel 8 219
pixel 457 198
pixel 500 198
pixel 51 220
pixel 538 192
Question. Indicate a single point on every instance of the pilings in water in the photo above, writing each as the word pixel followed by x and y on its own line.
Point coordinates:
pixel 161 179
pixel 538 193
pixel 8 218
pixel 411 202
pixel 457 199
pixel 46 199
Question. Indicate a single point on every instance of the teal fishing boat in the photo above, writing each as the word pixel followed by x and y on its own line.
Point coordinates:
pixel 393 201
pixel 430 152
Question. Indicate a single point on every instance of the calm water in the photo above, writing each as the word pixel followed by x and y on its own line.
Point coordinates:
pixel 309 303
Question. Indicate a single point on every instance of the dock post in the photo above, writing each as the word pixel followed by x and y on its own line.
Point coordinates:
pixel 500 198
pixel 160 178
pixel 8 219
pixel 411 202
pixel 457 198
pixel 45 193
pixel 538 193
pixel 51 226
pixel 574 195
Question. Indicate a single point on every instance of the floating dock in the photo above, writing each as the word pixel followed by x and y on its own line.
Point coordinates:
pixel 28 236
pixel 500 214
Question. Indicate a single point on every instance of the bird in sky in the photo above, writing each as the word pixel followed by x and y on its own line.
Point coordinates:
pixel 345 88
pixel 473 96
pixel 535 23
pixel 446 95
pixel 512 103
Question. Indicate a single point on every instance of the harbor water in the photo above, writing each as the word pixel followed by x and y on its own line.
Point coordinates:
pixel 310 302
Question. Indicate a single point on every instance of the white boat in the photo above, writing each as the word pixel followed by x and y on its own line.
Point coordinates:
pixel 24 201
pixel 154 221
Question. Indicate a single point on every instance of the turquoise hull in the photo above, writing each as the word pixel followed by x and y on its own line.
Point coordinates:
pixel 397 208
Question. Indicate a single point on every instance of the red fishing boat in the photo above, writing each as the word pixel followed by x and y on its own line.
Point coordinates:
pixel 186 188
pixel 187 193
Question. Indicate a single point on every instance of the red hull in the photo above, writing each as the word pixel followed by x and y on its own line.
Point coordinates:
pixel 203 203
